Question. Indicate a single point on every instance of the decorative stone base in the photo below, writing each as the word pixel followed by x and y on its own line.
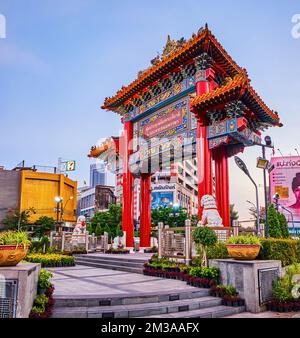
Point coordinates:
pixel 18 288
pixel 252 279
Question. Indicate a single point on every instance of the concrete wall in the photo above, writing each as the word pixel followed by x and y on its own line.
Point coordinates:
pixel 9 192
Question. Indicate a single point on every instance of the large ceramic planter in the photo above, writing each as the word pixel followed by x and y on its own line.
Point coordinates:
pixel 243 251
pixel 11 255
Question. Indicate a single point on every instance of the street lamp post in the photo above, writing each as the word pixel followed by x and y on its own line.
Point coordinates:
pixel 63 208
pixel 244 168
pixel 58 200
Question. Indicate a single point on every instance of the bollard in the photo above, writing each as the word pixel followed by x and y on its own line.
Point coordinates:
pixel 160 235
pixel 188 242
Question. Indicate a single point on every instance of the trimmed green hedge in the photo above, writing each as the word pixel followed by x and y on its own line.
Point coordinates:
pixel 217 251
pixel 51 260
pixel 285 250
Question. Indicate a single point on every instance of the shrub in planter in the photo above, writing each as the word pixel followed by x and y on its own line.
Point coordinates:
pixel 231 297
pixel 44 281
pixel 243 247
pixel 218 291
pixel 13 247
pixel 232 301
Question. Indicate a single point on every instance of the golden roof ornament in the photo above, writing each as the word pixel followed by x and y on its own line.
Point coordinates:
pixel 170 47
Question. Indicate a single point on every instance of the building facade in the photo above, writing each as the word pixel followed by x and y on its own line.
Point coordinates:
pixel 22 189
pixel 98 175
pixel 10 182
pixel 94 199
pixel 174 187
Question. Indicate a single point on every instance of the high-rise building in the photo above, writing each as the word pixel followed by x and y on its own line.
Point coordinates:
pixel 177 186
pixel 98 175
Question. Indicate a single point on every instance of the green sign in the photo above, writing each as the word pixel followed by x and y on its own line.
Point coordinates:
pixel 70 165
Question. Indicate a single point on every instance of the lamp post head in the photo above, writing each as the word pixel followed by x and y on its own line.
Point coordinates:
pixel 241 165
pixel 58 199
pixel 268 140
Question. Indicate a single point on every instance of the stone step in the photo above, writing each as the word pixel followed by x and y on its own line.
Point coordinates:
pixel 120 262
pixel 140 298
pixel 138 270
pixel 212 312
pixel 112 257
pixel 138 310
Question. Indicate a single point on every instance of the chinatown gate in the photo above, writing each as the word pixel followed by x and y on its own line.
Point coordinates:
pixel 193 101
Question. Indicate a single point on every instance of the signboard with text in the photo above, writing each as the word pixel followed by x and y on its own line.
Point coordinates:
pixel 285 180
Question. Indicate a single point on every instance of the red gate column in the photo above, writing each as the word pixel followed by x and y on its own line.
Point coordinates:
pixel 203 151
pixel 222 185
pixel 225 187
pixel 127 212
pixel 145 208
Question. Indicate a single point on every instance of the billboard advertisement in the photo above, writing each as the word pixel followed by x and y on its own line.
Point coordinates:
pixel 285 180
pixel 161 199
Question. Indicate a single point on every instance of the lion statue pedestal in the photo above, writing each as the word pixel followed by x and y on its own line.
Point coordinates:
pixel 210 214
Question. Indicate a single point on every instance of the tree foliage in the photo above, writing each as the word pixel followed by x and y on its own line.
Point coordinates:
pixel 18 220
pixel 234 215
pixel 169 216
pixel 43 226
pixel 109 221
pixel 278 226
pixel 204 236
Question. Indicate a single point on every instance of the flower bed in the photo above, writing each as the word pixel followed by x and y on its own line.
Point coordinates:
pixel 51 260
pixel 288 306
pixel 194 276
pixel 117 251
pixel 286 296
pixel 44 301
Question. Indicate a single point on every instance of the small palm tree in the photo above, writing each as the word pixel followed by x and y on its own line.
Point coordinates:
pixel 234 215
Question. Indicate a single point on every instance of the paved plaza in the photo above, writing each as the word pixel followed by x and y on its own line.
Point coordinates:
pixel 83 281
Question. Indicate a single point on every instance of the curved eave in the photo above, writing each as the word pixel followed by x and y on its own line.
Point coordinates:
pixel 203 42
pixel 237 89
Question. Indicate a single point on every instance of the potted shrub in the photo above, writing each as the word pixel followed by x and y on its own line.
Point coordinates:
pixel 13 247
pixel 243 247
pixel 231 297
pixel 44 281
pixel 203 238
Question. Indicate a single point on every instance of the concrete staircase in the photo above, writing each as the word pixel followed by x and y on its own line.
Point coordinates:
pixel 182 304
pixel 112 262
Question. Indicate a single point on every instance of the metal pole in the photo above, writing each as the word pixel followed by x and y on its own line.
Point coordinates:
pixel 257 207
pixel 57 208
pixel 266 194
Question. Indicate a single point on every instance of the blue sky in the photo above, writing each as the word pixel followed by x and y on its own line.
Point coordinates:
pixel 62 58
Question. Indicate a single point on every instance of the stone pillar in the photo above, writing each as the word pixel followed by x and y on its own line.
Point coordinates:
pixel 235 225
pixel 63 241
pixel 160 236
pixel 127 212
pixel 262 230
pixel 145 211
pixel 188 242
